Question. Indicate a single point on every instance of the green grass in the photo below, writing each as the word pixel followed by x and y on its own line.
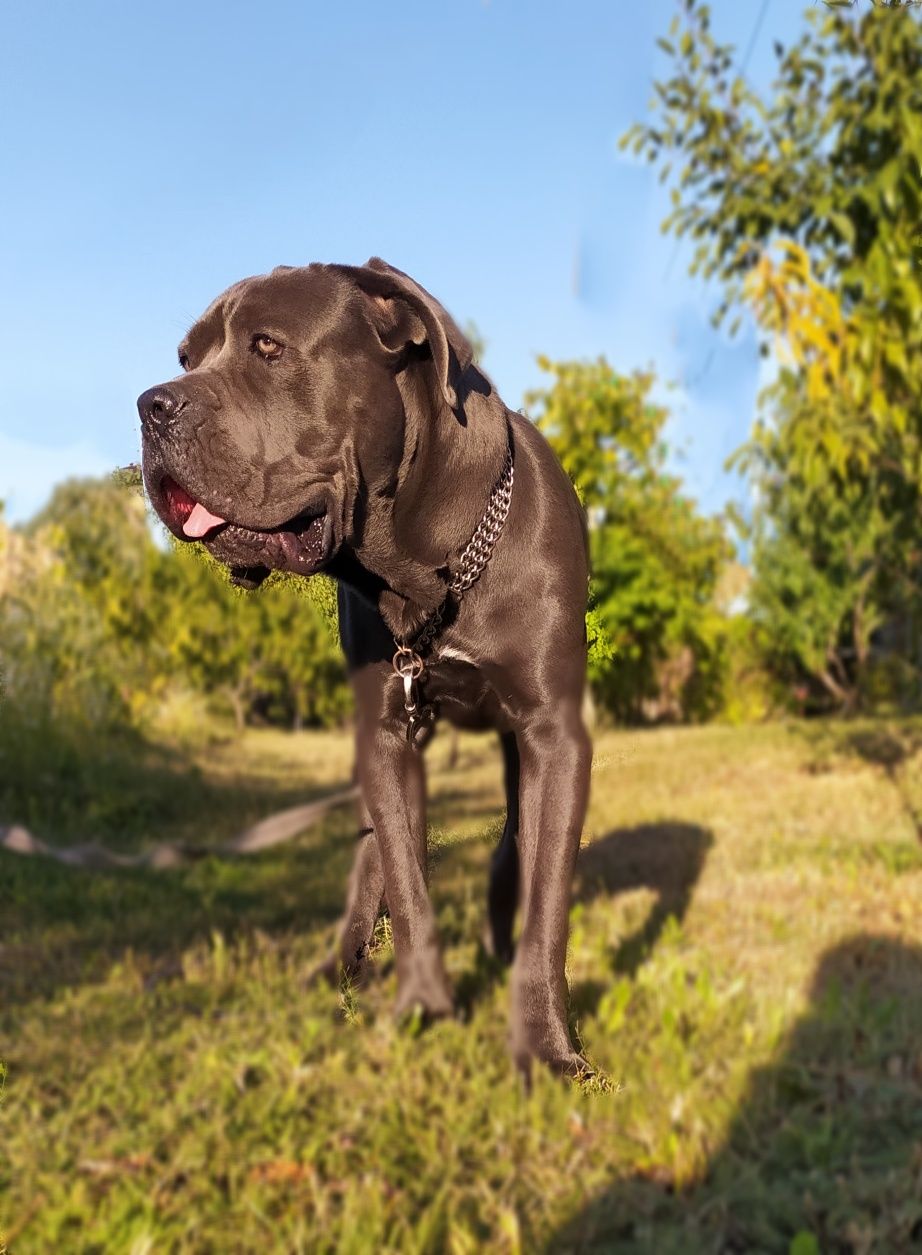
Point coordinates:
pixel 745 968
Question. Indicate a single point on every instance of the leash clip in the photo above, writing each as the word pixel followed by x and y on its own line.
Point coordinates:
pixel 420 719
pixel 407 662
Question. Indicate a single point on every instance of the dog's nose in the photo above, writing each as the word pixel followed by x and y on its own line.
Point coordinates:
pixel 159 406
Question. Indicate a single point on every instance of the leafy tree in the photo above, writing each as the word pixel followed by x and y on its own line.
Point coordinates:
pixel 72 620
pixel 830 162
pixel 98 624
pixel 655 559
pixel 822 586
pixel 209 632
pixel 806 208
pixel 302 664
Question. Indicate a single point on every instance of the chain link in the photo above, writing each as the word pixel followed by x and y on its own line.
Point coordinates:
pixel 476 555
pixel 480 546
pixel 408 661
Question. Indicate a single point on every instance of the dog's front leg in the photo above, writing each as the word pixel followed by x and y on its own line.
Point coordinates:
pixel 555 757
pixel 364 899
pixel 392 780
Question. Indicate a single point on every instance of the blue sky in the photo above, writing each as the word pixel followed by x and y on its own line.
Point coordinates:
pixel 153 154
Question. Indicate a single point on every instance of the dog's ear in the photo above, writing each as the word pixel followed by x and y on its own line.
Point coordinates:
pixel 404 313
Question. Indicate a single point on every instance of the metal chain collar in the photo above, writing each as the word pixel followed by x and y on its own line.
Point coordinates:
pixel 408 661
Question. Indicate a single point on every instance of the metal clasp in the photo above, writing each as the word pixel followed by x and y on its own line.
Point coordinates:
pixel 407 661
pixel 420 719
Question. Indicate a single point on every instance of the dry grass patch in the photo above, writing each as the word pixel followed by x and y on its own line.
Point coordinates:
pixel 745 965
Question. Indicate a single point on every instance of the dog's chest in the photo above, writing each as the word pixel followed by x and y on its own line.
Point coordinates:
pixel 457 685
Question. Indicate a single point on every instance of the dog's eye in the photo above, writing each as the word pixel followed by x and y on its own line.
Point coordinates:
pixel 184 360
pixel 268 348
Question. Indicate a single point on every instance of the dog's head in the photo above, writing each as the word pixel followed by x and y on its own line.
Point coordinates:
pixel 288 408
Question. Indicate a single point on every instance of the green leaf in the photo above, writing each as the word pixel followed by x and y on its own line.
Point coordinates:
pixel 845 227
pixel 804 1242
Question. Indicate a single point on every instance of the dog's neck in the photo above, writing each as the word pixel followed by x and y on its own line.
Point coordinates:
pixel 412 537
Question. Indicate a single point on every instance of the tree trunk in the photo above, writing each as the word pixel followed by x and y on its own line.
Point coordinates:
pixel 843 692
pixel 237 702
pixel 860 639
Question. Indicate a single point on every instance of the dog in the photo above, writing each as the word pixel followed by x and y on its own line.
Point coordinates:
pixel 330 418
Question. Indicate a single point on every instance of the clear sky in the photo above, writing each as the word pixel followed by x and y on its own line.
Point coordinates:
pixel 154 153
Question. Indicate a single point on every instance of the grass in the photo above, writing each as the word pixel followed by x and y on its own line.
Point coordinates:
pixel 745 966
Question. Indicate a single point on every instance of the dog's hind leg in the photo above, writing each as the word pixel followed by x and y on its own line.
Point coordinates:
pixel 504 868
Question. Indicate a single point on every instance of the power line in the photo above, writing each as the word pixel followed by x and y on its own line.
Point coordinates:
pixel 675 253
pixel 753 38
pixel 750 48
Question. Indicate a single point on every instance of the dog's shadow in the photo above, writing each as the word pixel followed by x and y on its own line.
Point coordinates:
pixel 824 1147
pixel 665 857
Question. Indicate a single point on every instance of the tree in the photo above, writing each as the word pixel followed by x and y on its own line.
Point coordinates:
pixel 806 207
pixel 303 665
pixel 655 559
pixel 822 585
pixel 272 653
pixel 75 619
pixel 98 624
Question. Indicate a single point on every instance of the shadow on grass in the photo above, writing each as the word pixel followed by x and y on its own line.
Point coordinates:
pixel 66 925
pixel 881 744
pixel 827 1144
pixel 665 857
pixel 70 785
pixel 889 747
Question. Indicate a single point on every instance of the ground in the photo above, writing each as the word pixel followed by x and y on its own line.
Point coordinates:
pixel 745 967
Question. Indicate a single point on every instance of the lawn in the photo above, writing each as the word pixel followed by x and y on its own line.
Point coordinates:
pixel 745 968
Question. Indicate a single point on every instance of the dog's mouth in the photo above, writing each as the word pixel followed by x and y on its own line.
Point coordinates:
pixel 301 545
pixel 187 514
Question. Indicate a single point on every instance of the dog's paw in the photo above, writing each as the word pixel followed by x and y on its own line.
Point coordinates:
pixel 423 993
pixel 335 969
pixel 415 1006
pixel 567 1066
pixel 543 1039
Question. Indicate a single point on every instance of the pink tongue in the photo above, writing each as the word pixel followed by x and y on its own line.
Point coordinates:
pixel 200 522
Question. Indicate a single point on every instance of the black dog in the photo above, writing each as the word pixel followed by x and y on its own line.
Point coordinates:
pixel 330 418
